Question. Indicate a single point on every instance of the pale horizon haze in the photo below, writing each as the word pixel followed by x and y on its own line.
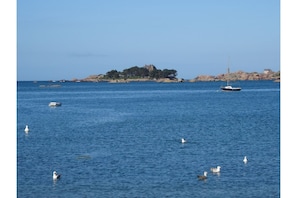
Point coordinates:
pixel 74 39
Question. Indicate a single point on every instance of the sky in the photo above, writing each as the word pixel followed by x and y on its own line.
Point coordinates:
pixel 69 39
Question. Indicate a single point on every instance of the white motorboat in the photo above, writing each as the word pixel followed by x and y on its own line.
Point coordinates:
pixel 54 104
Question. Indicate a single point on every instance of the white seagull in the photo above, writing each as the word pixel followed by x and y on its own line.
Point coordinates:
pixel 202 177
pixel 245 160
pixel 26 129
pixel 183 140
pixel 215 170
pixel 56 175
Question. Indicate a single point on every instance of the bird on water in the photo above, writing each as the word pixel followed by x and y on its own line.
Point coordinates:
pixel 215 170
pixel 245 160
pixel 26 129
pixel 202 177
pixel 183 140
pixel 56 175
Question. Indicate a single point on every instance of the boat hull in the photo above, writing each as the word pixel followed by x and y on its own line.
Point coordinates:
pixel 54 104
pixel 231 89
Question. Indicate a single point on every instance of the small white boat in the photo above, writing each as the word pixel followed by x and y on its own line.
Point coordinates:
pixel 54 104
pixel 228 87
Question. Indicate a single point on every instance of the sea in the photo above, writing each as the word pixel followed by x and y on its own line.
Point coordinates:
pixel 124 139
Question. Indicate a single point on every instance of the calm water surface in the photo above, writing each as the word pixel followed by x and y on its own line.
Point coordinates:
pixel 124 140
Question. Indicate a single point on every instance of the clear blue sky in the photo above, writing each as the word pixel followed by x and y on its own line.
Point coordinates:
pixel 66 39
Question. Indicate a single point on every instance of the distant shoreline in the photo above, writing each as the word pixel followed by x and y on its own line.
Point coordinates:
pixel 236 76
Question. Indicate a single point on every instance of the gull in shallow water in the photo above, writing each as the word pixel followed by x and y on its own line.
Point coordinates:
pixel 26 129
pixel 183 140
pixel 245 160
pixel 215 170
pixel 56 175
pixel 202 177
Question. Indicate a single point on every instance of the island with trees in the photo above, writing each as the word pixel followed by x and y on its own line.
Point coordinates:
pixel 151 73
pixel 135 73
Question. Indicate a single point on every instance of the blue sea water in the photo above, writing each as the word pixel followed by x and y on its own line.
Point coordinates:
pixel 124 140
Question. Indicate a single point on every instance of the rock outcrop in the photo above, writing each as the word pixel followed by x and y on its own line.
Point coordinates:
pixel 236 76
pixel 240 75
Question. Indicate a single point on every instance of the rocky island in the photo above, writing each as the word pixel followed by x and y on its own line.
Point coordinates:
pixel 151 73
pixel 240 76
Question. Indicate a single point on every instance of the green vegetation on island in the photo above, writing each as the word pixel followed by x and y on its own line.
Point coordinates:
pixel 135 73
pixel 151 73
pixel 145 72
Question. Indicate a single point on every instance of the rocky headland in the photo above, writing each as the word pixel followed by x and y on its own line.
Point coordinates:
pixel 240 76
pixel 151 73
pixel 235 76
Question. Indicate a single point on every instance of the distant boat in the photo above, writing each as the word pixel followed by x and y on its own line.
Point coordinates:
pixel 228 87
pixel 54 104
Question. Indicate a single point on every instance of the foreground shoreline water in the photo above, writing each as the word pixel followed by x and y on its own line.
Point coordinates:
pixel 123 140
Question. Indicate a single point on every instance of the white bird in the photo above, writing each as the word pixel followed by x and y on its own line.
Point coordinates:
pixel 56 175
pixel 245 160
pixel 26 129
pixel 202 177
pixel 215 170
pixel 183 140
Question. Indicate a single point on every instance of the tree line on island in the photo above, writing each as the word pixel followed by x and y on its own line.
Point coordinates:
pixel 147 72
pixel 151 73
